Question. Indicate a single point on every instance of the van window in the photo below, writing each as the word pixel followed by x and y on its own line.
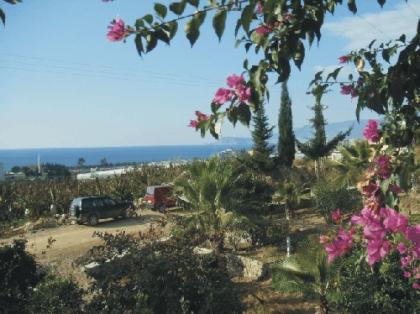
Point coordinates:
pixel 98 202
pixel 87 203
pixel 108 202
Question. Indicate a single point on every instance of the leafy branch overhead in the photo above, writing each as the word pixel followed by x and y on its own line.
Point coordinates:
pixel 277 30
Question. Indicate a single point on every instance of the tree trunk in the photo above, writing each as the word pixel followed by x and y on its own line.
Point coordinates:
pixel 323 305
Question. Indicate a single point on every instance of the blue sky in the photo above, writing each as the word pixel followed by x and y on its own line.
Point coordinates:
pixel 62 84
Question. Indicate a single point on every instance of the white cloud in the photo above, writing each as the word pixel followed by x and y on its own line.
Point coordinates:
pixel 360 30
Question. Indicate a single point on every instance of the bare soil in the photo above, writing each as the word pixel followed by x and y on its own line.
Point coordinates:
pixel 57 248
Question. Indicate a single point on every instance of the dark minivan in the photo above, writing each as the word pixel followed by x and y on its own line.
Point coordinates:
pixel 90 209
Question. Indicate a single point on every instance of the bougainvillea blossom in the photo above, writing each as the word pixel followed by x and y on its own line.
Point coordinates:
pixel 371 132
pixel 117 30
pixel 222 96
pixel 344 59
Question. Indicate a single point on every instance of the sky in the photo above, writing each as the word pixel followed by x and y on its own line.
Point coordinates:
pixel 63 84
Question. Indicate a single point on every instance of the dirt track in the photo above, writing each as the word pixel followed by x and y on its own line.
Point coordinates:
pixel 73 241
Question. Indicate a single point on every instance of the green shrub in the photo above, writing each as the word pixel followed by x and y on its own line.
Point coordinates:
pixel 329 196
pixel 18 275
pixel 161 277
pixel 56 295
pixel 382 289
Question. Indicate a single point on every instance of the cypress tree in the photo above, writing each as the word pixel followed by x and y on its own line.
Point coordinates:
pixel 318 147
pixel 286 145
pixel 261 134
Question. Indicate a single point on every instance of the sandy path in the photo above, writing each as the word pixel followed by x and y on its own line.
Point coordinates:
pixel 73 241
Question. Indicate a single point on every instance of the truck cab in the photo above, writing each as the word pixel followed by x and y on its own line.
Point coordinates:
pixel 159 197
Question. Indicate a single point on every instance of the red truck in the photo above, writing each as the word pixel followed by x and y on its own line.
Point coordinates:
pixel 159 197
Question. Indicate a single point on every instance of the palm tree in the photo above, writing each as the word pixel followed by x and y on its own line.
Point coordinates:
pixel 301 274
pixel 355 159
pixel 209 186
pixel 291 194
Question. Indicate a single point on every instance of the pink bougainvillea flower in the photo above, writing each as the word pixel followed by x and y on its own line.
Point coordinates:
pixel 407 274
pixel 401 248
pixel 244 93
pixel 117 30
pixel 413 234
pixel 346 89
pixel 416 285
pixel 222 96
pixel 193 124
pixel 377 250
pixel 235 81
pixel 349 90
pixel 336 216
pixel 405 261
pixel 395 189
pixel 370 189
pixel 383 166
pixel 394 221
pixel 263 30
pixel 340 245
pixel 344 59
pixel 201 116
pixel 371 132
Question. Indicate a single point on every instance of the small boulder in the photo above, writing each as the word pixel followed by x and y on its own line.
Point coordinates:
pixel 237 240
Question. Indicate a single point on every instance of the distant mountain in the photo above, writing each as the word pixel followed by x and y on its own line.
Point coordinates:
pixel 332 129
pixel 304 133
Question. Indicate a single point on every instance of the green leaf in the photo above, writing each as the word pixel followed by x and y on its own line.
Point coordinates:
pixel 172 28
pixel 3 17
pixel 139 44
pixel 163 36
pixel 151 42
pixel 13 1
pixel 139 24
pixel 299 54
pixel 192 29
pixel 219 23
pixel 177 7
pixel 148 18
pixel 352 6
pixel 161 10
pixel 246 17
pixel 244 114
pixel 194 2
pixel 334 74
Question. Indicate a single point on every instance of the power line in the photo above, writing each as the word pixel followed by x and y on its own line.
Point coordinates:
pixel 93 75
pixel 118 71
pixel 373 26
pixel 108 73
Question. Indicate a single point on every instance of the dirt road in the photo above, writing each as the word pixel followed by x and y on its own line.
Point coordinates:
pixel 73 241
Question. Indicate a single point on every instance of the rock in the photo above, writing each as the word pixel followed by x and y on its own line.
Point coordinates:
pixel 246 267
pixel 202 251
pixel 237 240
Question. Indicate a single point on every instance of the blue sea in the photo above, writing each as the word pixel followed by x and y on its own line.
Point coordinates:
pixel 114 155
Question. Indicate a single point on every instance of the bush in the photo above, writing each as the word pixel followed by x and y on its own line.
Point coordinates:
pixel 382 289
pixel 56 295
pixel 328 197
pixel 158 277
pixel 18 274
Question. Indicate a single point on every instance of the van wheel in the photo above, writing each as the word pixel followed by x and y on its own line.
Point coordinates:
pixel 126 213
pixel 93 220
pixel 162 208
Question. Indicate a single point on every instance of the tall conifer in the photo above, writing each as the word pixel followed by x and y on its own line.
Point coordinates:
pixel 286 145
